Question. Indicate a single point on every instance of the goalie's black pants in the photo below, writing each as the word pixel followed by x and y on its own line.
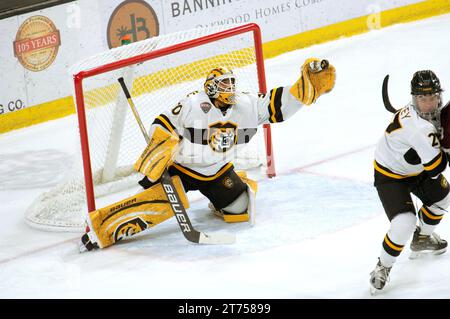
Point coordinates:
pixel 221 189
pixel 395 194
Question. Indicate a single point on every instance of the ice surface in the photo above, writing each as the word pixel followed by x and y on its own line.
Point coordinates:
pixel 319 224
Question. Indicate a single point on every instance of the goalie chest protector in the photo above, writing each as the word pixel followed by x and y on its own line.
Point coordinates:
pixel 211 138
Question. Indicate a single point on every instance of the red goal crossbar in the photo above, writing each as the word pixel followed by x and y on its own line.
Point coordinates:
pixel 79 95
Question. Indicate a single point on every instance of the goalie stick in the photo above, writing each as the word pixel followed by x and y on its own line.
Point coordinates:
pixel 174 198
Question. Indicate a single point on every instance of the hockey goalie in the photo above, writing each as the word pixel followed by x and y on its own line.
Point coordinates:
pixel 194 141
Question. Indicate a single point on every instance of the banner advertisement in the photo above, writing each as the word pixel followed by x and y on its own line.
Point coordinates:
pixel 39 47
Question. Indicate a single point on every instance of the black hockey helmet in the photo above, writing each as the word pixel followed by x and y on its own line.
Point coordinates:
pixel 425 82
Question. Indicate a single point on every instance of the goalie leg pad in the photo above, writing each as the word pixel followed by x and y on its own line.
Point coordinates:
pixel 158 154
pixel 223 190
pixel 236 212
pixel 133 214
pixel 239 205
pixel 248 197
pixel 252 190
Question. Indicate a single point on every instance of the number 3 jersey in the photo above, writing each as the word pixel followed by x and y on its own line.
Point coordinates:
pixel 410 146
pixel 210 138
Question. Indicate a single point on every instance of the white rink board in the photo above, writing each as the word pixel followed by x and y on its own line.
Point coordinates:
pixel 12 80
pixel 276 18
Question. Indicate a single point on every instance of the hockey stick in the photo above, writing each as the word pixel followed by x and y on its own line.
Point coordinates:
pixel 446 105
pixel 384 92
pixel 387 102
pixel 174 198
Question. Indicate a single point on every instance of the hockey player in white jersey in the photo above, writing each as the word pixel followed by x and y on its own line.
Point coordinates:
pixel 409 159
pixel 195 140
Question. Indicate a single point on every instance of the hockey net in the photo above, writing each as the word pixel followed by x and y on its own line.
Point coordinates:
pixel 159 72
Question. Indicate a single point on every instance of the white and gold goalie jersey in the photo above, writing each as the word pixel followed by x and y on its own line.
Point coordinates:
pixel 210 139
pixel 410 146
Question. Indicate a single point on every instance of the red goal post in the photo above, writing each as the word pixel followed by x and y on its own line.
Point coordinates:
pixel 80 104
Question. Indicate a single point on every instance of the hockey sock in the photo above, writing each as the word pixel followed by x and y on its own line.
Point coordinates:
pixel 401 230
pixel 429 217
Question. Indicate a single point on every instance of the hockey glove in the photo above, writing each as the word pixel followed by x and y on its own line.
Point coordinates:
pixel 158 154
pixel 314 81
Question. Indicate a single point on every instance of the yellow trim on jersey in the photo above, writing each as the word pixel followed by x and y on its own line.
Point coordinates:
pixel 272 105
pixel 391 244
pixel 389 174
pixel 435 164
pixel 429 215
pixel 200 177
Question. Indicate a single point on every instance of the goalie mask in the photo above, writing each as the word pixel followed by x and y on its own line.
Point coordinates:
pixel 426 95
pixel 220 85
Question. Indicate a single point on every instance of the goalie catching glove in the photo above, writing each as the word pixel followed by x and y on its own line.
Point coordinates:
pixel 158 154
pixel 317 78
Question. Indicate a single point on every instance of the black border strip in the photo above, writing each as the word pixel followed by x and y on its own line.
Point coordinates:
pixel 11 8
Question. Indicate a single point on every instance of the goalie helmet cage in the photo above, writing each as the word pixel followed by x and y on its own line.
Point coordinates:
pixel 159 71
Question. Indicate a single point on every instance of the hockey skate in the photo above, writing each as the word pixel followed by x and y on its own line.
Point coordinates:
pixel 89 240
pixel 426 245
pixel 379 277
pixel 215 211
pixel 86 244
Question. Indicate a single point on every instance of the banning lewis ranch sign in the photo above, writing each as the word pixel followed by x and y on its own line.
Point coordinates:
pixel 191 6
pixel 37 42
pixel 133 18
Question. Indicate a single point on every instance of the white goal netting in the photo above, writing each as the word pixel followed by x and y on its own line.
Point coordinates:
pixel 113 137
